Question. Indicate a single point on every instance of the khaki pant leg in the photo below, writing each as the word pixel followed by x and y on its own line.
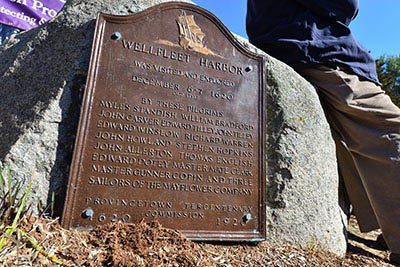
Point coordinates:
pixel 369 127
pixel 356 192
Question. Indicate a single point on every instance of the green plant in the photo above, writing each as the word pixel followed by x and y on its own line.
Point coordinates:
pixel 53 200
pixel 312 244
pixel 35 244
pixel 9 201
pixel 20 209
pixel 12 210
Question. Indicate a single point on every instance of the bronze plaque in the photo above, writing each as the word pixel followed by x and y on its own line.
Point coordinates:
pixel 171 129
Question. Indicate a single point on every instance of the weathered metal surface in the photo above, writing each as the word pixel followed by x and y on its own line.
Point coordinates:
pixel 171 128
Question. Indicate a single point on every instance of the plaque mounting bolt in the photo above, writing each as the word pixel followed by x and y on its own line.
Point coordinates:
pixel 87 213
pixel 248 69
pixel 116 36
pixel 247 217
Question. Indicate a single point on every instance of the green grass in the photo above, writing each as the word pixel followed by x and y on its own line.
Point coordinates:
pixel 12 209
pixel 9 201
pixel 20 209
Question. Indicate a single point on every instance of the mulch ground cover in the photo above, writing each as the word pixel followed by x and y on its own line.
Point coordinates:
pixel 150 244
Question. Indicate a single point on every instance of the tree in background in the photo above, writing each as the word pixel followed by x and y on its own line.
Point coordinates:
pixel 388 68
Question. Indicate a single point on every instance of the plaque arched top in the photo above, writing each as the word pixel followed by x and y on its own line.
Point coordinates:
pixel 184 7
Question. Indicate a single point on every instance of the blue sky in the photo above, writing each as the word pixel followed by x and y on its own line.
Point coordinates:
pixel 377 26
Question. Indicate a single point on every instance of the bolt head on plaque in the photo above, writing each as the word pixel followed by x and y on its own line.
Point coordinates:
pixel 246 218
pixel 116 36
pixel 248 69
pixel 172 128
pixel 88 213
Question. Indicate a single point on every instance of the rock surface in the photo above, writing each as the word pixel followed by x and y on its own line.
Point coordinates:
pixel 42 78
pixel 303 192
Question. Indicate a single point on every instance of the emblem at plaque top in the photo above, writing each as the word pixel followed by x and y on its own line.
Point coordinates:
pixel 190 34
pixel 191 37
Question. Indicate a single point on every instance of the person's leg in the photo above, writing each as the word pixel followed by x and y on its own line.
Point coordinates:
pixel 369 126
pixel 354 186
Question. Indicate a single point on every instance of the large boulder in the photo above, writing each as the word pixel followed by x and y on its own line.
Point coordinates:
pixel 42 78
